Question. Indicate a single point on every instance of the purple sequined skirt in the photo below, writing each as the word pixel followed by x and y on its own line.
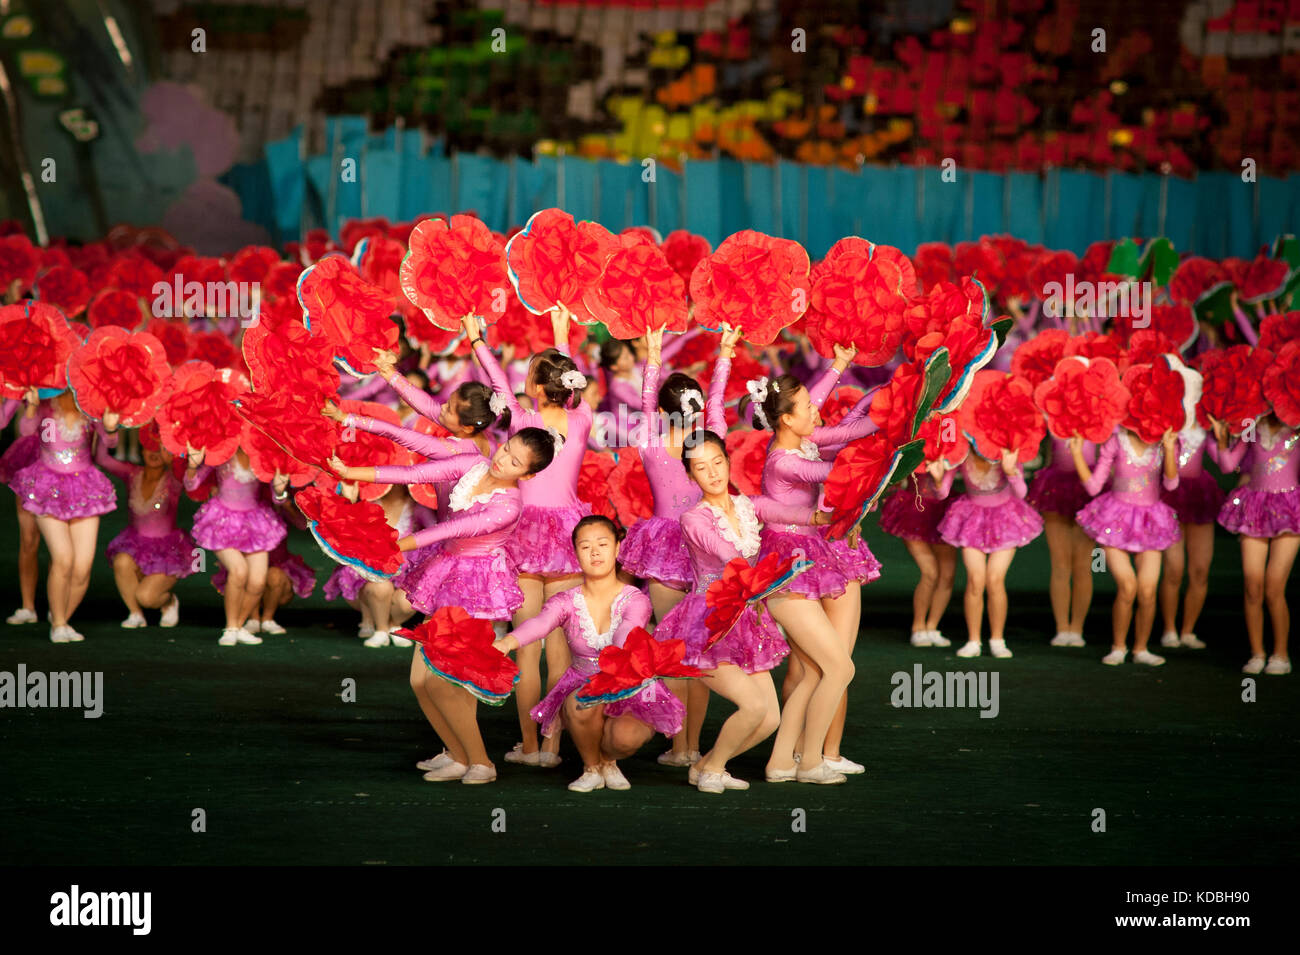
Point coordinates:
pixel 18 455
pixel 171 554
pixel 656 706
pixel 1196 500
pixel 1010 524
pixel 835 563
pixel 755 644
pixel 903 517
pixel 84 493
pixel 484 585
pixel 301 577
pixel 1131 527
pixel 542 543
pixel 344 582
pixel 1264 514
pixel 219 527
pixel 1054 491
pixel 655 549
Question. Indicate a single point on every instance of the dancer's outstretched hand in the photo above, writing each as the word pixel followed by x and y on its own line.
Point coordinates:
pixel 111 420
pixel 1009 462
pixel 385 362
pixel 729 339
pixel 193 457
pixel 654 343
pixel 333 412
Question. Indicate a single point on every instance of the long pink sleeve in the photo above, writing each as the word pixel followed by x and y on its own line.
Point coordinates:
pixel 552 615
pixel 799 470
pixel 636 613
pixel 1105 461
pixel 7 411
pixel 427 472
pixel 819 392
pixel 715 415
pixel 111 464
pixel 499 512
pixel 700 531
pixel 417 441
pixel 1230 458
pixel 771 511
pixel 854 425
pixel 423 402
pixel 1017 482
pixel 500 383
pixel 944 486
pixel 192 481
pixel 623 392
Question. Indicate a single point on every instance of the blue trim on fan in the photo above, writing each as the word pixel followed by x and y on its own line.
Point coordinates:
pixel 362 568
pixel 974 365
pixel 511 273
pixel 476 691
pixel 589 701
pixel 797 568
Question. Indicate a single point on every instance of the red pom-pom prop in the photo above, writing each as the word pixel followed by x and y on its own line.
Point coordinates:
pixel 37 344
pixel 116 370
pixel 454 269
pixel 637 291
pixel 353 315
pixel 753 282
pixel 458 648
pixel 553 260
pixel 742 586
pixel 1083 398
pixel 1156 400
pixel 1000 415
pixel 199 412
pixel 627 670
pixel 355 534
pixel 1282 384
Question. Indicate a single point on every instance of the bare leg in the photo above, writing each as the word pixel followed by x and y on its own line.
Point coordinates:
pixel 697 707
pixel 664 599
pixel 460 710
pixel 1200 552
pixel 558 657
pixel 236 565
pixel 946 555
pixel 528 691
pixel 1126 591
pixel 1254 560
pixel 399 609
pixel 1148 580
pixel 999 563
pixel 84 532
pixel 258 567
pixel 587 727
pixel 756 718
pixel 1081 580
pixel 845 613
pixel 1059 531
pixel 927 563
pixel 155 591
pixel 58 582
pixel 420 680
pixel 1282 555
pixel 278 592
pixel 378 598
pixel 1172 581
pixel 623 736
pixel 29 544
pixel 127 577
pixel 976 579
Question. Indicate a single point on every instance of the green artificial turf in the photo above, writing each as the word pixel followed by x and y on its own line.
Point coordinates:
pixel 288 773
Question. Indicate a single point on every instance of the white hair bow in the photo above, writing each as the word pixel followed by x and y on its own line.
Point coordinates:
pixel 574 379
pixel 692 401
pixel 497 404
pixel 557 438
pixel 757 389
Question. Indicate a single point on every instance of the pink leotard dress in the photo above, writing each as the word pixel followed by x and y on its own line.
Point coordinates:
pixel 239 516
pixel 654 548
pixel 992 515
pixel 794 477
pixel 914 511
pixel 655 705
pixel 26 447
pixel 1056 488
pixel 1130 515
pixel 1198 497
pixel 151 538
pixel 462 561
pixel 63 481
pixel 1268 505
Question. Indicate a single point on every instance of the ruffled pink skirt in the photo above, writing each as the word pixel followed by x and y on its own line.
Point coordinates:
pixel 1055 491
pixel 65 495
pixel 1264 514
pixel 655 549
pixel 835 563
pixel 219 527
pixel 755 644
pixel 484 585
pixel 344 582
pixel 903 517
pixel 301 577
pixel 542 543
pixel 171 554
pixel 18 455
pixel 1010 524
pixel 1196 500
pixel 656 706
pixel 1131 527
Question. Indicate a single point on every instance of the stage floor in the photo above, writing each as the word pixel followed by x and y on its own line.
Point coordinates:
pixel 287 773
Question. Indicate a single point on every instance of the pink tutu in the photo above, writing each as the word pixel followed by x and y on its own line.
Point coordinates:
pixel 755 643
pixel 1055 491
pixel 903 517
pixel 835 564
pixel 301 577
pixel 655 706
pixel 1264 514
pixel 654 549
pixel 344 582
pixel 542 543
pixel 84 493
pixel 1010 524
pixel 549 712
pixel 219 527
pixel 17 456
pixel 171 554
pixel 1131 527
pixel 1196 500
pixel 485 585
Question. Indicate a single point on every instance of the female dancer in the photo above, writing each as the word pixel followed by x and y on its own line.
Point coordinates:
pixel 598 613
pixel 623 384
pixel 21 453
pixel 738 667
pixel 1197 501
pixel 1265 513
pixel 1056 494
pixel 152 553
pixel 287 574
pixel 914 518
pixel 1128 519
pixel 541 546
pixel 989 522
pixel 242 527
pixel 655 549
pixel 821 609
pixel 67 493
pixel 465 565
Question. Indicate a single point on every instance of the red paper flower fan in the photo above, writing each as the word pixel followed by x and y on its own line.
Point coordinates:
pixel 1095 262
pixel 1083 398
pixel 747 451
pixel 1000 414
pixel 858 477
pixel 1097 345
pixel 37 342
pixel 1020 257
pixel 1279 329
pixel 356 534
pixel 684 250
pixel 1196 278
pixel 122 372
pixel 740 586
pixel 944 304
pixel 861 300
pixel 137 275
pixel 943 440
pixel 1233 389
pixel 281 281
pixel 81 329
pixel 520 328
pixel 66 289
pixel 625 670
pixel 286 356
pixel 970 347
pixel 752 281
pixel 1282 383
pixel 252 264
pixel 630 488
pixel 175 339
pixel 1175 322
pixel 1147 343
pixel 840 402
pixel 894 405
pixel 1035 360
pixel 115 307
pixel 19 261
pixel 637 291
pixel 1264 280
pixel 266 459
pixel 1052 268
pixel 357 448
pixel 983 260
pixel 593 483
pixel 353 315
pixel 458 648
pixel 455 269
pixel 1156 400
pixel 200 412
pixel 379 260
pixel 294 422
pixel 744 368
pixel 215 349
pixel 934 264
pixel 555 259
pixel 353 231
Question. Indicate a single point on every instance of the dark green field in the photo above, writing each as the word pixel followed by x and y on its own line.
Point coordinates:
pixel 287 773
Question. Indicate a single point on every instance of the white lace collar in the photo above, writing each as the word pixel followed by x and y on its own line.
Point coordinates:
pixel 807 450
pixel 1141 460
pixel 1268 436
pixel 746 542
pixel 1190 441
pixel 69 432
pixel 462 496
pixel 587 624
pixel 241 474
